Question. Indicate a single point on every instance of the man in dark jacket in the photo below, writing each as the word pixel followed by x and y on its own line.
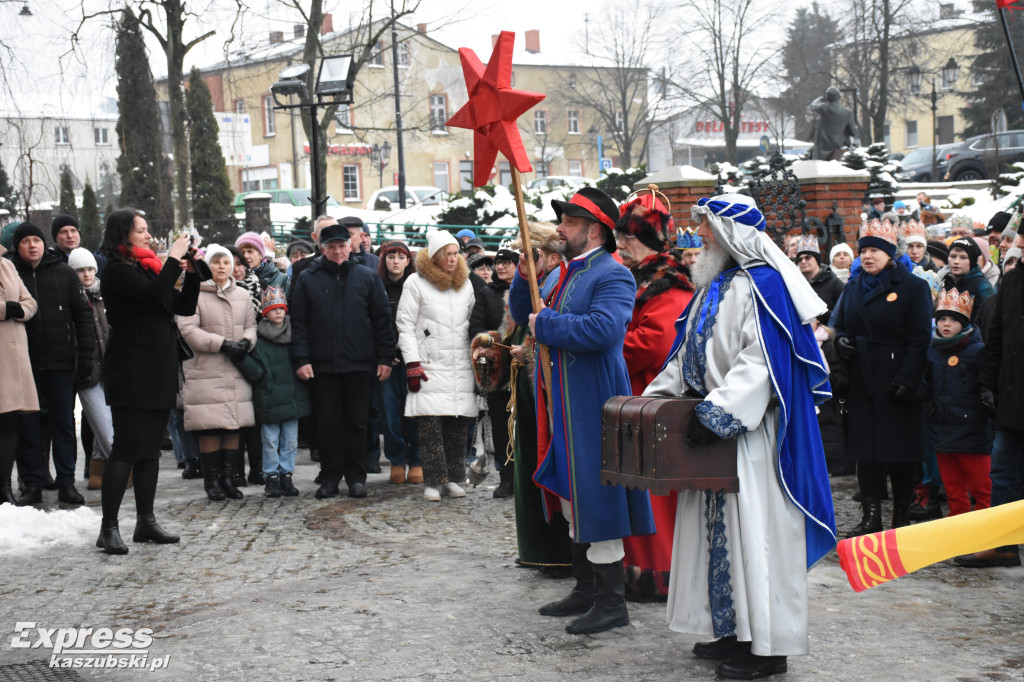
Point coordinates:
pixel 361 254
pixel 61 340
pixel 342 338
pixel 1002 380
pixel 826 285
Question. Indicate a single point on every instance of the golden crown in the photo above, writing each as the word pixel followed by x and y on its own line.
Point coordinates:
pixel 883 230
pixel 912 228
pixel 807 243
pixel 955 302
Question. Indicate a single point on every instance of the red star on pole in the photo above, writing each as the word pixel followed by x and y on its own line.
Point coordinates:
pixel 493 108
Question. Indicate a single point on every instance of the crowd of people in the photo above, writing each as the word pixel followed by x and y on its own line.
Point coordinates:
pixel 894 360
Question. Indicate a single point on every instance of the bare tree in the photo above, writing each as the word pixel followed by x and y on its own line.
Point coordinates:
pixel 722 63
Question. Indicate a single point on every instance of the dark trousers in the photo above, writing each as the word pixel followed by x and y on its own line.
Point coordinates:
pixel 401 437
pixel 871 479
pixel 341 403
pixel 497 411
pixel 57 390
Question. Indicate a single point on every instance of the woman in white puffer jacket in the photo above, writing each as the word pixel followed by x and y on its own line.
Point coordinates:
pixel 433 334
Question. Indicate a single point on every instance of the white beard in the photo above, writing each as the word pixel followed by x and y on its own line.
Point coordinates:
pixel 712 261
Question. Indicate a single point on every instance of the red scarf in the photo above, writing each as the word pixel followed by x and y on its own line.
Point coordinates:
pixel 146 257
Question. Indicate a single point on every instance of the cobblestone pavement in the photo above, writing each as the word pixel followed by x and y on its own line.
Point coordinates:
pixel 393 588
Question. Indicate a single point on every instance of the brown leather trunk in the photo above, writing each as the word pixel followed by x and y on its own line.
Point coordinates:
pixel 643 445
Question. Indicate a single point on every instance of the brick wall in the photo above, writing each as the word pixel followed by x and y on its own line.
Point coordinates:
pixel 848 195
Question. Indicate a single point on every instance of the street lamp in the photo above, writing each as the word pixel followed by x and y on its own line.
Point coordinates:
pixel 25 11
pixel 950 72
pixel 381 156
pixel 334 83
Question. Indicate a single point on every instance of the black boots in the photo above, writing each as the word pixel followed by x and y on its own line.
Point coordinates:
pixel 31 495
pixel 6 494
pixel 721 649
pixel 148 530
pixel 900 517
pixel 68 494
pixel 191 469
pixel 506 487
pixel 581 598
pixel 609 609
pixel 110 538
pixel 273 486
pixel 751 667
pixel 227 475
pixel 287 487
pixel 211 474
pixel 871 522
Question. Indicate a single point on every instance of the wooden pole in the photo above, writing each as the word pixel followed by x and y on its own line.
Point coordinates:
pixel 524 229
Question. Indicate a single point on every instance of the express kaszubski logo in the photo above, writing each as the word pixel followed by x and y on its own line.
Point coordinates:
pixel 124 648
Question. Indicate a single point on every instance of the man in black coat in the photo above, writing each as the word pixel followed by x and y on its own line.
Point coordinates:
pixel 342 339
pixel 1002 380
pixel 61 340
pixel 826 285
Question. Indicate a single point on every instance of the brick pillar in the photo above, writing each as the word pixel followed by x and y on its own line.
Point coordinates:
pixel 825 182
pixel 683 185
pixel 257 213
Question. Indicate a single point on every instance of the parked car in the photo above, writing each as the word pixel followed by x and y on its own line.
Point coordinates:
pixel 292 197
pixel 976 156
pixel 553 181
pixel 414 195
pixel 917 164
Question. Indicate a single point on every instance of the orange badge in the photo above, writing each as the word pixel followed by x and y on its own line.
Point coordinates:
pixel 953 361
pixel 891 297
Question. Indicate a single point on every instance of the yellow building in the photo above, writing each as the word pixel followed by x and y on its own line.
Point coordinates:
pixel 561 139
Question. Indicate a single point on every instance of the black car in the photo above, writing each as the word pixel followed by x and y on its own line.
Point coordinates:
pixel 983 156
pixel 917 164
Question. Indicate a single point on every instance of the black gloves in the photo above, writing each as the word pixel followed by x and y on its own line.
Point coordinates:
pixel 13 311
pixel 988 400
pixel 83 373
pixel 899 392
pixel 236 350
pixel 697 434
pixel 845 348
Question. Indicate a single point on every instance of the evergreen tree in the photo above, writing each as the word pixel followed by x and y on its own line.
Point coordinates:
pixel 89 219
pixel 143 171
pixel 805 58
pixel 212 199
pixel 993 70
pixel 68 206
pixel 875 159
pixel 8 197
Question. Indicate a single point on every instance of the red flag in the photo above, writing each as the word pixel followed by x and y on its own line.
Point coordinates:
pixel 1002 4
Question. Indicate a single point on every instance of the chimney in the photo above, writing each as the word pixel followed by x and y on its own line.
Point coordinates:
pixel 533 41
pixel 276 37
pixel 327 26
pixel 494 40
pixel 300 31
pixel 421 28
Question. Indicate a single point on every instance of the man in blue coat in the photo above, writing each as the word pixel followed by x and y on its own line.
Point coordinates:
pixel 587 304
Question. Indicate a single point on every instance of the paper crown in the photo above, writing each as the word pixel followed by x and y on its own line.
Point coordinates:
pixel 273 297
pixel 881 229
pixel 914 230
pixel 953 301
pixel 807 243
pixel 688 239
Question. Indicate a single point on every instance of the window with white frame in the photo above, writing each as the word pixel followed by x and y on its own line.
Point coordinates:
pixel 441 175
pixel 438 113
pixel 575 168
pixel 911 127
pixel 512 79
pixel 540 122
pixel 887 136
pixel 572 80
pixel 101 135
pixel 239 106
pixel 350 180
pixel 61 135
pixel 269 125
pixel 620 121
pixel 343 119
pixel 574 122
pixel 403 53
pixel 377 55
pixel 466 175
pixel 259 179
pixel 504 173
pixel 543 168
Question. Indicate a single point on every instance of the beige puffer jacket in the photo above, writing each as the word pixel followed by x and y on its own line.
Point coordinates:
pixel 215 394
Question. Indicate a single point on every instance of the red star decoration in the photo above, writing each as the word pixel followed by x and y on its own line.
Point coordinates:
pixel 493 108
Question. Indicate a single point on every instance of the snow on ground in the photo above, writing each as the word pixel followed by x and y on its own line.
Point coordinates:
pixel 24 530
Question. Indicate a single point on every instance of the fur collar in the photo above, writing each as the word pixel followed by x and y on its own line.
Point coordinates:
pixel 426 269
pixel 658 274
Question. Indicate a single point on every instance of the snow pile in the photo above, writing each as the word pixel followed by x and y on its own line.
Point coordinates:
pixel 24 530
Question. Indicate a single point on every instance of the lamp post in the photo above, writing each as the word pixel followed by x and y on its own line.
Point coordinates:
pixel 949 73
pixel 25 11
pixel 334 82
pixel 381 156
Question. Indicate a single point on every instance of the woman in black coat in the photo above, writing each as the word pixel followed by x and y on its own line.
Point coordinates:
pixel 140 368
pixel 883 330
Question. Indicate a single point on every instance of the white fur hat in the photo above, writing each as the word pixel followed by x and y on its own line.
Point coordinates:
pixel 214 250
pixel 438 239
pixel 81 258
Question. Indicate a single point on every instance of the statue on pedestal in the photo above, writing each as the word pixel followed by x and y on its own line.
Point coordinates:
pixel 834 126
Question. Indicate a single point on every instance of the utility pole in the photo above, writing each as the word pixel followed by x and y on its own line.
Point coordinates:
pixel 398 109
